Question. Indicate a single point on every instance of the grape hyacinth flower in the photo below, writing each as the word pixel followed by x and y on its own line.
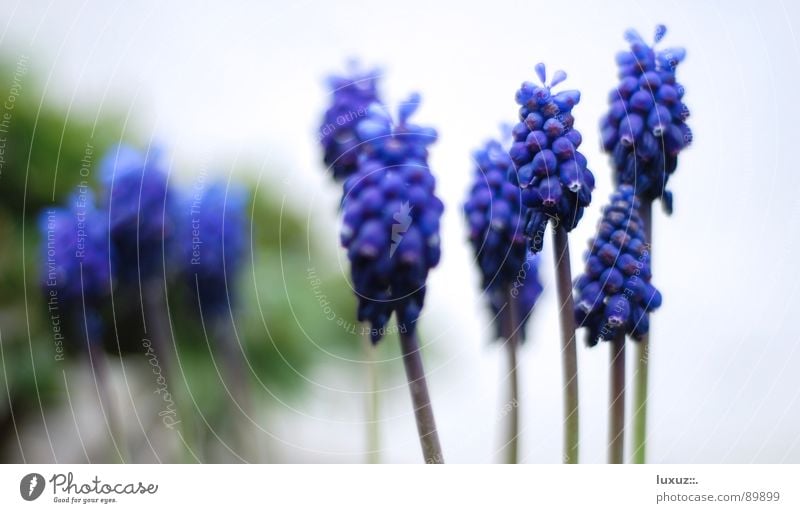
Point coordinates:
pixel 614 293
pixel 351 96
pixel 391 232
pixel 615 296
pixel 509 276
pixel 135 195
pixel 77 276
pixel 555 185
pixel 76 282
pixel 494 215
pixel 141 217
pixel 644 131
pixel 213 230
pixel 645 128
pixel 391 220
pixel 213 244
pixel 552 174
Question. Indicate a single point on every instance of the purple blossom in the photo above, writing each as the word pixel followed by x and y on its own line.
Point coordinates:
pixel 391 219
pixel 645 128
pixel 351 96
pixel 615 292
pixel 555 182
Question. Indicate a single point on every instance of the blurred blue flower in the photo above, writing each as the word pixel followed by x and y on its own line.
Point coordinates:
pixel 615 293
pixel 525 290
pixel 493 211
pixel 645 128
pixel 76 258
pixel 351 96
pixel 391 219
pixel 75 239
pixel 552 174
pixel 140 211
pixel 213 237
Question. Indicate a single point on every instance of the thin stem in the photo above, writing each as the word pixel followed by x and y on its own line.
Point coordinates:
pixel 235 374
pixel 99 365
pixel 569 353
pixel 642 361
pixel 426 425
pixel 511 333
pixel 158 332
pixel 372 402
pixel 616 400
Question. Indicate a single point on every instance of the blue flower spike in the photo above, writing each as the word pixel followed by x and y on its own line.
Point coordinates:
pixel 76 277
pixel 645 127
pixel 615 292
pixel 76 252
pixel 391 215
pixel 494 215
pixel 213 244
pixel 351 96
pixel 140 209
pixel 553 176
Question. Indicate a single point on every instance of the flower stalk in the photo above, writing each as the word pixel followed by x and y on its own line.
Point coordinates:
pixel 642 362
pixel 235 373
pixel 616 399
pixel 417 385
pixel 99 365
pixel 512 329
pixel 372 402
pixel 569 355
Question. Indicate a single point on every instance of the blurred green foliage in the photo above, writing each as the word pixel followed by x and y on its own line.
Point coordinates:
pixel 44 151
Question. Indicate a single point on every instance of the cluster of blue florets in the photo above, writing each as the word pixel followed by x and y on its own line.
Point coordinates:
pixel 645 128
pixel 351 95
pixel 552 174
pixel 213 235
pixel 138 226
pixel 391 219
pixel 615 293
pixel 494 216
pixel 140 212
pixel 76 251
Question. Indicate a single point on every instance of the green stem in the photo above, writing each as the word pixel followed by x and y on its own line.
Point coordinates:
pixel 426 425
pixel 236 376
pixel 512 343
pixel 158 332
pixel 569 353
pixel 642 361
pixel 616 400
pixel 99 365
pixel 372 401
